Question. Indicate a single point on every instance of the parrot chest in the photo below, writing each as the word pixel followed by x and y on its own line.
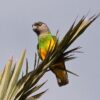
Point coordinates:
pixel 45 44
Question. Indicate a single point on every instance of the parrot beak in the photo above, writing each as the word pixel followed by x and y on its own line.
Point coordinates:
pixel 34 27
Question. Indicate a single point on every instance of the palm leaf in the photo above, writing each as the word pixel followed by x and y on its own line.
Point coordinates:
pixel 35 97
pixel 5 79
pixel 74 32
pixel 32 90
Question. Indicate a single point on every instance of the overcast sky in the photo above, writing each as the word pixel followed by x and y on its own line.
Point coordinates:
pixel 16 19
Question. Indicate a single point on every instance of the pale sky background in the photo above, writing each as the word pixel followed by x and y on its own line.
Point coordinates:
pixel 16 19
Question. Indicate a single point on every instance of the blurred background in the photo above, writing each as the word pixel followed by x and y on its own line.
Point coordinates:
pixel 16 19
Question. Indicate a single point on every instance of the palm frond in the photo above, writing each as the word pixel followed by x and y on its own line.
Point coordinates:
pixel 32 90
pixel 13 88
pixel 35 97
pixel 74 32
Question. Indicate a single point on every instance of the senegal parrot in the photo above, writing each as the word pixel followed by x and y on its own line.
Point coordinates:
pixel 47 41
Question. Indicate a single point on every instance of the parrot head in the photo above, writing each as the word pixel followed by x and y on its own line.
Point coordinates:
pixel 40 28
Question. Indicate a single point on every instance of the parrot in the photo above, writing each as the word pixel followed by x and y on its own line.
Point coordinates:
pixel 47 41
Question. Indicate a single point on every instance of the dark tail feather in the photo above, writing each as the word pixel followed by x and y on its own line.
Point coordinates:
pixel 62 78
pixel 60 72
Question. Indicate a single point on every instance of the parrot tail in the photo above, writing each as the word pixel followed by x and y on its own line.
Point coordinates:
pixel 62 78
pixel 60 73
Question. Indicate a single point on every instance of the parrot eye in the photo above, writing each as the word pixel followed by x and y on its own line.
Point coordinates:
pixel 39 24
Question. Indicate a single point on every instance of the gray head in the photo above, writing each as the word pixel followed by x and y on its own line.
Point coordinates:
pixel 40 28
